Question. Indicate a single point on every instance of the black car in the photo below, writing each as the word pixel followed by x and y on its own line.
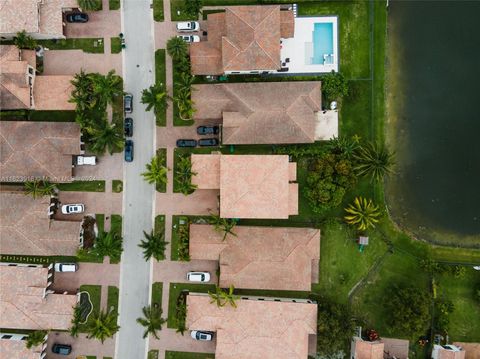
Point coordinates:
pixel 62 349
pixel 204 142
pixel 77 17
pixel 128 150
pixel 186 143
pixel 128 127
pixel 128 103
pixel 207 130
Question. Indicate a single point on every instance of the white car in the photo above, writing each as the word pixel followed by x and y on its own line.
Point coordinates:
pixel 73 208
pixel 198 276
pixel 190 38
pixel 86 160
pixel 188 26
pixel 203 336
pixel 66 267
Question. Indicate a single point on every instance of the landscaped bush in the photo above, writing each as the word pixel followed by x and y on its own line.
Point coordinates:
pixel 181 312
pixel 183 233
pixel 334 86
pixel 183 175
pixel 443 309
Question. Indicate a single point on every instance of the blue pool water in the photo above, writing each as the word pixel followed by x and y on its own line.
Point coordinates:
pixel 322 42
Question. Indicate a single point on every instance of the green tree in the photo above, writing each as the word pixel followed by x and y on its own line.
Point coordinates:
pixel 24 41
pixel 343 146
pixel 177 48
pixel 76 321
pixel 185 83
pixel 375 161
pixel 152 320
pixel 334 86
pixel 193 7
pixel 222 297
pixel 217 297
pixel 107 137
pixel 35 338
pixel 90 5
pixel 408 309
pixel 83 94
pixel 155 97
pixel 154 245
pixel 224 225
pixel 108 244
pixel 156 170
pixel 183 175
pixel 39 188
pixel 107 88
pixel 362 213
pixel 335 326
pixel 103 325
pixel 184 104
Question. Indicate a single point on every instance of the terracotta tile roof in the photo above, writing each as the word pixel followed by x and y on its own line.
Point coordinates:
pixel 397 348
pixel 261 112
pixel 272 258
pixel 22 301
pixel 368 350
pixel 53 93
pixel 441 353
pixel 14 83
pixel 43 17
pixel 244 38
pixel 255 329
pixel 16 349
pixel 251 186
pixel 472 350
pixel 25 228
pixel 38 149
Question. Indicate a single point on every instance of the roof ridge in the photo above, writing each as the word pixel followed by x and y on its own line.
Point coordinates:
pixel 287 112
pixel 13 93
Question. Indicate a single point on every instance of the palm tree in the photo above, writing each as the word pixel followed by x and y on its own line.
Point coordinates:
pixel 35 338
pixel 24 41
pixel 108 244
pixel 185 83
pixel 152 320
pixel 155 97
pixel 229 297
pixel 224 225
pixel 107 87
pixel 374 160
pixel 156 170
pixel 39 188
pixel 154 245
pixel 217 297
pixel 184 104
pixel 89 5
pixel 103 325
pixel 183 175
pixel 83 95
pixel 76 321
pixel 177 48
pixel 107 137
pixel 362 213
pixel 343 146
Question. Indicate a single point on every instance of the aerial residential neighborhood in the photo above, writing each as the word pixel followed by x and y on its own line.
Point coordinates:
pixel 229 179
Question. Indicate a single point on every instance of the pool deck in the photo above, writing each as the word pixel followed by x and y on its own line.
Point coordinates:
pixel 297 48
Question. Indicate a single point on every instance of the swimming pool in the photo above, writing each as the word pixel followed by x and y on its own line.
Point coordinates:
pixel 322 43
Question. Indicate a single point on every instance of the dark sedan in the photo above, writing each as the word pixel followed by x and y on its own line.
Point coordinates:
pixel 205 142
pixel 128 150
pixel 186 143
pixel 128 127
pixel 207 130
pixel 77 17
pixel 61 349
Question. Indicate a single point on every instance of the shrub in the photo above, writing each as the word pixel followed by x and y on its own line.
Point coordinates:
pixel 334 86
pixel 181 312
pixel 362 213
pixel 183 242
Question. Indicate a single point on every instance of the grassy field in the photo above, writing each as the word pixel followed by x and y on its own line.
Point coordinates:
pixel 82 186
pixel 158 10
pixel 188 355
pixel 95 292
pixel 92 45
pixel 157 289
pixel 160 77
pixel 115 45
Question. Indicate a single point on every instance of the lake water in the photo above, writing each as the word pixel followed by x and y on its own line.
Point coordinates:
pixel 433 92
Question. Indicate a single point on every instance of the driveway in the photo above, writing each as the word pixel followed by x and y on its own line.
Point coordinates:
pixel 95 202
pixel 171 340
pixel 108 167
pixel 200 202
pixel 167 136
pixel 80 346
pixel 176 271
pixel 104 23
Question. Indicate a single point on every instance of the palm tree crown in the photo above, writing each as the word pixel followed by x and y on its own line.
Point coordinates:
pixel 106 88
pixel 108 244
pixel 224 225
pixel 152 320
pixel 362 213
pixel 24 41
pixel 155 97
pixel 107 137
pixel 154 245
pixel 103 325
pixel 35 338
pixel 38 188
pixel 374 160
pixel 177 48
pixel 156 171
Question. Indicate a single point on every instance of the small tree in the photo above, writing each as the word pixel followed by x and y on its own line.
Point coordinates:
pixel 184 174
pixel 217 297
pixel 334 86
pixel 362 213
pixel 76 321
pixel 222 297
pixel 107 88
pixel 90 5
pixel 374 160
pixel 103 325
pixel 39 188
pixel 106 138
pixel 108 244
pixel 154 245
pixel 193 7
pixel 177 48
pixel 35 338
pixel 156 170
pixel 152 320
pixel 155 97
pixel 224 225
pixel 24 41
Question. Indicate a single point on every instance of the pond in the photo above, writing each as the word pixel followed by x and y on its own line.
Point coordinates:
pixel 434 119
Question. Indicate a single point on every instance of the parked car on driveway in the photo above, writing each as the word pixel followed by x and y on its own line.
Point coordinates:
pixel 190 38
pixel 77 17
pixel 128 127
pixel 201 335
pixel 73 208
pixel 204 142
pixel 62 349
pixel 128 150
pixel 65 267
pixel 85 160
pixel 188 26
pixel 186 143
pixel 198 276
pixel 207 130
pixel 128 103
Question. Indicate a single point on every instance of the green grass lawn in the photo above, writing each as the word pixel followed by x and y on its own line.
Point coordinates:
pixel 188 355
pixel 116 223
pixel 95 292
pixel 115 45
pixel 92 45
pixel 117 186
pixel 82 186
pixel 159 226
pixel 152 354
pixel 158 10
pixel 157 289
pixel 162 187
pixel 114 4
pixel 160 77
pixel 174 243
pixel 175 290
pixel 100 218
pixel 112 299
pixel 177 121
pixel 52 116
